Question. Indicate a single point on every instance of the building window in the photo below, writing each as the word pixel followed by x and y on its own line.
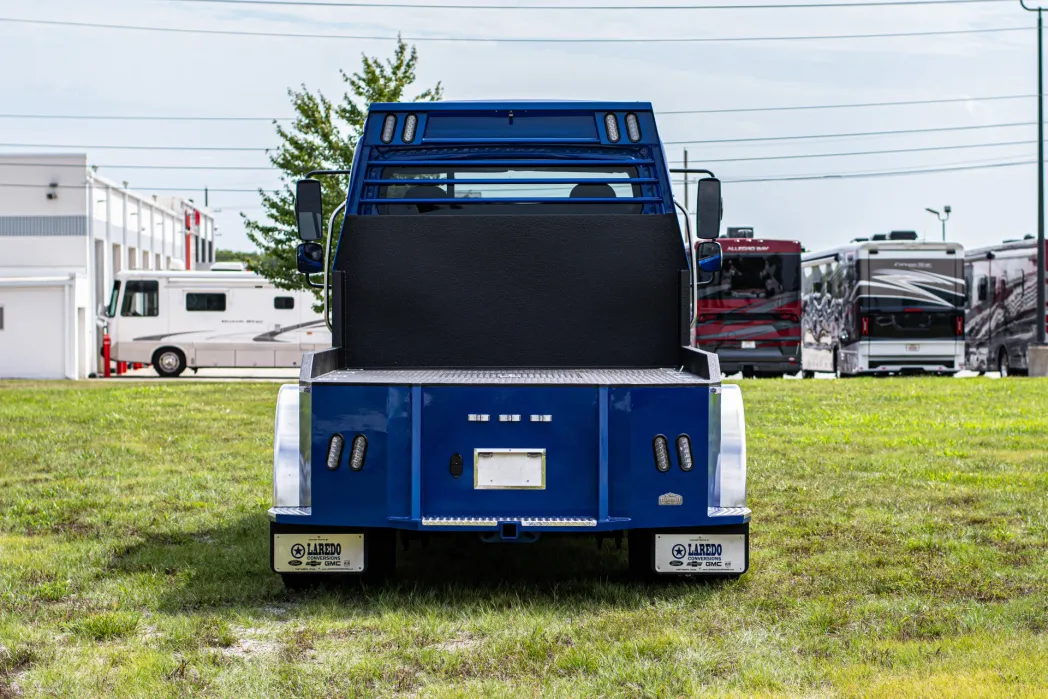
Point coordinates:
pixel 141 298
pixel 205 302
pixel 284 303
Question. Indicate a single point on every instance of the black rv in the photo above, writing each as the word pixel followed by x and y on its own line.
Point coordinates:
pixel 1002 302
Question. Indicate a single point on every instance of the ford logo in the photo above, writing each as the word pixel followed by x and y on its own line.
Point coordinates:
pixel 676 564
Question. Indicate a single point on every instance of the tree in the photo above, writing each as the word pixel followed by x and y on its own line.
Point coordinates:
pixel 324 136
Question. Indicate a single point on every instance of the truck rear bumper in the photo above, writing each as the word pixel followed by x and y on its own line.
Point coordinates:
pixel 302 516
pixel 785 360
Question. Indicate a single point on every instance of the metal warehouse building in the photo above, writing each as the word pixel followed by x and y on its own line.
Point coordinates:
pixel 64 233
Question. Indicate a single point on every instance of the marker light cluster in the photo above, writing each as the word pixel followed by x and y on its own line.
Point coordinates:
pixel 410 126
pixel 358 451
pixel 632 127
pixel 334 455
pixel 389 126
pixel 611 124
pixel 662 453
pixel 684 453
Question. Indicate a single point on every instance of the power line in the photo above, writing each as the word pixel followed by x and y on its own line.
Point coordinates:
pixel 671 112
pixel 516 40
pixel 111 147
pixel 888 173
pixel 937 129
pixel 901 103
pixel 801 156
pixel 143 117
pixel 462 6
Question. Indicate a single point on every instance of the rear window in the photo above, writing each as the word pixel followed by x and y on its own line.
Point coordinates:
pixel 482 190
pixel 758 276
pixel 205 302
pixel 921 325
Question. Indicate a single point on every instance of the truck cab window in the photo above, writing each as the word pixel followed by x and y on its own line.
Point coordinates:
pixel 141 298
pixel 205 302
pixel 113 299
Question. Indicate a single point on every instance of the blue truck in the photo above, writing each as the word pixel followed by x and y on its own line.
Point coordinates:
pixel 511 296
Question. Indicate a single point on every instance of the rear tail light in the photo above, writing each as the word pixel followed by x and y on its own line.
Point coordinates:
pixel 662 453
pixel 611 125
pixel 388 127
pixel 632 127
pixel 684 453
pixel 790 317
pixel 358 452
pixel 334 455
pixel 865 325
pixel 959 325
pixel 410 126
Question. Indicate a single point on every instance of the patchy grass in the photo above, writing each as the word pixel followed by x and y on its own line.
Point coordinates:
pixel 899 548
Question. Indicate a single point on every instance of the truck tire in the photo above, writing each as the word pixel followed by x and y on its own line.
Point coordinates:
pixel 169 361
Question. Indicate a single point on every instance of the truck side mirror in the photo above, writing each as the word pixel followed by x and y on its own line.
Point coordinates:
pixel 707 261
pixel 310 258
pixel 309 210
pixel 709 209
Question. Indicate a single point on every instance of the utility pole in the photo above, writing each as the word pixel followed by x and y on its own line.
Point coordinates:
pixel 685 179
pixel 1041 368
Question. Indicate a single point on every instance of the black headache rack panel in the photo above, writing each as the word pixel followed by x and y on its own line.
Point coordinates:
pixel 484 291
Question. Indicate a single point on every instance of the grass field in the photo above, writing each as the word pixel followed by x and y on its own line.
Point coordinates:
pixel 899 548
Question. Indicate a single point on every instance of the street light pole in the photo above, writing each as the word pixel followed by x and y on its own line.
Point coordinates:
pixel 1041 306
pixel 943 218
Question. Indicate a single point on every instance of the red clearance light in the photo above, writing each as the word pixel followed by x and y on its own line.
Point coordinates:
pixel 959 325
pixel 865 325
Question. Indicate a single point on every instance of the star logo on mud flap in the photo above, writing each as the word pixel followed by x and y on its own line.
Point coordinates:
pixel 679 551
pixel 298 550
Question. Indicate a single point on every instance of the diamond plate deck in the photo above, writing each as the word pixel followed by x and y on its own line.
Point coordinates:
pixel 727 512
pixel 527 377
pixel 274 512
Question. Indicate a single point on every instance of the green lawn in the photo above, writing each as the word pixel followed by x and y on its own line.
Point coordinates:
pixel 899 548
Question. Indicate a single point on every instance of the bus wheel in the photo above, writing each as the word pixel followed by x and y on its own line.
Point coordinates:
pixel 1002 363
pixel 169 361
pixel 807 374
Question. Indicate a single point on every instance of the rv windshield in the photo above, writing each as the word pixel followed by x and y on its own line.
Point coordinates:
pixel 113 298
pixel 467 185
pixel 758 276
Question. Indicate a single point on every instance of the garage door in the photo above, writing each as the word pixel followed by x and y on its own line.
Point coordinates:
pixel 32 339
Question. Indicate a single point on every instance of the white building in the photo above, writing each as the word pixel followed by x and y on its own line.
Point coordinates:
pixel 64 232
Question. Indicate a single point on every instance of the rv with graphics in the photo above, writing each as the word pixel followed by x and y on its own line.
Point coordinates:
pixel 750 314
pixel 1002 302
pixel 883 306
pixel 180 320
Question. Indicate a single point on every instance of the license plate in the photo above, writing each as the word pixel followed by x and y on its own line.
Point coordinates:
pixel 749 344
pixel 913 348
pixel 700 553
pixel 318 553
pixel 509 469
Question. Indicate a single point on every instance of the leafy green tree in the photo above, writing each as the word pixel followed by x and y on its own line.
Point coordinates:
pixel 324 136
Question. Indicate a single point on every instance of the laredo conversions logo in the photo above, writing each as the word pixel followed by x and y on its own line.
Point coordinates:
pixel 316 554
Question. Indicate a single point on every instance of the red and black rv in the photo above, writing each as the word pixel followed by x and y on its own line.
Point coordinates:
pixel 751 314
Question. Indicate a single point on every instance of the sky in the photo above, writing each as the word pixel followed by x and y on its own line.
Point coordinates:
pixel 61 70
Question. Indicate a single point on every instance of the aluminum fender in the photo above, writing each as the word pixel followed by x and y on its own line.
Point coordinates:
pixel 731 462
pixel 286 449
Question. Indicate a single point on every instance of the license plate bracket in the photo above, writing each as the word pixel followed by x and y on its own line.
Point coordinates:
pixel 509 469
pixel 318 553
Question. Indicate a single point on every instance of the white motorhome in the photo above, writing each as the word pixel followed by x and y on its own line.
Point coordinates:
pixel 885 306
pixel 216 318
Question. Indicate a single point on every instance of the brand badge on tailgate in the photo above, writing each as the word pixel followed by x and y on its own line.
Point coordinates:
pixel 671 499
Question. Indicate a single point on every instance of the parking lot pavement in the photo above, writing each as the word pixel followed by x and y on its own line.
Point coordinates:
pixel 282 375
